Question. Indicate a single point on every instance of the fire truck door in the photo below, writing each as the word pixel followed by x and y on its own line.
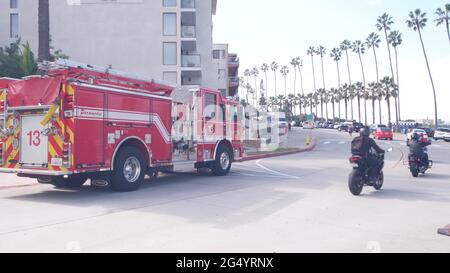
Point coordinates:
pixel 89 128
pixel 161 118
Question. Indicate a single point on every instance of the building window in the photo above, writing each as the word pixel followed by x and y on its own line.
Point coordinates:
pixel 222 74
pixel 14 25
pixel 169 24
pixel 170 77
pixel 218 54
pixel 170 53
pixel 13 4
pixel 169 3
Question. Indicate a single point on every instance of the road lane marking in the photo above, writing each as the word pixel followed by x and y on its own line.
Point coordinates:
pixel 342 142
pixel 400 160
pixel 258 163
pixel 327 142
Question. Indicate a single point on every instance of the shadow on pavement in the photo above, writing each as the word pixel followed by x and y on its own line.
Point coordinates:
pixel 222 202
pixel 407 196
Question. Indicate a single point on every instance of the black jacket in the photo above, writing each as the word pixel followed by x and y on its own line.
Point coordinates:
pixel 416 147
pixel 368 144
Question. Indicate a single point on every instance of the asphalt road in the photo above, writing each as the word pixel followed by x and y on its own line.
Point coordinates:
pixel 296 203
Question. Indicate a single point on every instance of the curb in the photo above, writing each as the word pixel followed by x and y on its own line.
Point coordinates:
pixel 263 156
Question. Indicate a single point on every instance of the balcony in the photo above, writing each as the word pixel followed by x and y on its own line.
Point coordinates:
pixel 188 4
pixel 191 61
pixel 234 82
pixel 188 32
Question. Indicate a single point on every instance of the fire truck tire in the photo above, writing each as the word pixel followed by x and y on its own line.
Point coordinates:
pixel 129 170
pixel 73 182
pixel 222 164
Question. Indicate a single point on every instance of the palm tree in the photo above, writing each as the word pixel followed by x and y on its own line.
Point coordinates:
pixel 299 102
pixel 336 55
pixel 321 51
pixel 387 85
pixel 255 73
pixel 311 51
pixel 295 62
pixel 372 89
pixel 444 17
pixel 351 92
pixel 359 48
pixel 379 94
pixel 395 39
pixel 285 71
pixel 346 46
pixel 384 23
pixel 335 98
pixel 360 89
pixel 344 92
pixel 44 30
pixel 373 41
pixel 321 95
pixel 264 68
pixel 417 22
pixel 310 103
pixel 247 73
pixel 300 65
pixel 326 100
pixel 274 67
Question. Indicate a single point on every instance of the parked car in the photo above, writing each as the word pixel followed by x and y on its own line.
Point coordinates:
pixel 374 127
pixel 308 125
pixel 384 133
pixel 442 134
pixel 430 132
pixel 336 126
pixel 345 126
pixel 357 126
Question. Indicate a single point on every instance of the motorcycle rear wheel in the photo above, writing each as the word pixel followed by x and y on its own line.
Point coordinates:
pixel 355 183
pixel 414 170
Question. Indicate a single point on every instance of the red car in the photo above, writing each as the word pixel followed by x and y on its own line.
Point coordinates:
pixel 383 133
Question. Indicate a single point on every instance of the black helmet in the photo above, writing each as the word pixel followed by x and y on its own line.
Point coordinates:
pixel 365 132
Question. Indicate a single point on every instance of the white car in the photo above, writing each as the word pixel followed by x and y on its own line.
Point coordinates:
pixel 422 133
pixel 308 125
pixel 442 133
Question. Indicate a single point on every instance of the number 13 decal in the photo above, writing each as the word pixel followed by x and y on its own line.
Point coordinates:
pixel 34 138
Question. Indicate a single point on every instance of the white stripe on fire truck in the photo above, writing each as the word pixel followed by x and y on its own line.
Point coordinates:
pixel 96 114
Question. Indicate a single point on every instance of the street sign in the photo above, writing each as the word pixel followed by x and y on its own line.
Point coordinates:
pixel 310 117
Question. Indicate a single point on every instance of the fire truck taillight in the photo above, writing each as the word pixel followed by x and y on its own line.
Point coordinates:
pixel 67 150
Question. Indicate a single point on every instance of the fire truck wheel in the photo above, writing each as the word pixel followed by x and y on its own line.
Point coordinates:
pixel 73 182
pixel 222 164
pixel 129 170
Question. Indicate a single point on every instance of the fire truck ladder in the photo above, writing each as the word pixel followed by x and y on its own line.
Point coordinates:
pixel 62 64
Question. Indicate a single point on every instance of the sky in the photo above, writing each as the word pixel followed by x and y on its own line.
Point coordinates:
pixel 262 31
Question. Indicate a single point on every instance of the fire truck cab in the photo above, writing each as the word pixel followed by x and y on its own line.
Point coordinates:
pixel 80 122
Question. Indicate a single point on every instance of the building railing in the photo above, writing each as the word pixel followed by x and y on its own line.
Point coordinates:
pixel 188 32
pixel 191 60
pixel 188 4
pixel 234 81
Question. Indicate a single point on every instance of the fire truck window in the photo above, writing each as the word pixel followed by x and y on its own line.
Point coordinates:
pixel 210 105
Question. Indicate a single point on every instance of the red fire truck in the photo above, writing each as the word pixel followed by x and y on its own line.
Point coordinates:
pixel 80 122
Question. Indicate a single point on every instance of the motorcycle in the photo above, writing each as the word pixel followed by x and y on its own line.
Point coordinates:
pixel 417 165
pixel 360 175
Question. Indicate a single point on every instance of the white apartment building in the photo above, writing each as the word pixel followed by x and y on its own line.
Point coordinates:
pixel 226 66
pixel 163 39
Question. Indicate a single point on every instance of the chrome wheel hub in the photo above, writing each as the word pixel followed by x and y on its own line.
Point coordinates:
pixel 224 161
pixel 132 169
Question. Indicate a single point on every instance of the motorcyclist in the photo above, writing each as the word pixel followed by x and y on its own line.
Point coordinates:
pixel 362 146
pixel 417 148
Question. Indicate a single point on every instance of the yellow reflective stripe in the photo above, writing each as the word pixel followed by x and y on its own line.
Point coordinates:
pixel 49 115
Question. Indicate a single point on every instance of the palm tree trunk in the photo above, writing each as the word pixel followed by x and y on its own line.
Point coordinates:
pixel 267 87
pixel 364 86
pixel 378 80
pixel 392 71
pixel 432 82
pixel 448 29
pixel 379 108
pixel 44 30
pixel 256 91
pixel 388 101
pixel 314 73
pixel 398 84
pixel 275 73
pixel 333 107
pixel 351 107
